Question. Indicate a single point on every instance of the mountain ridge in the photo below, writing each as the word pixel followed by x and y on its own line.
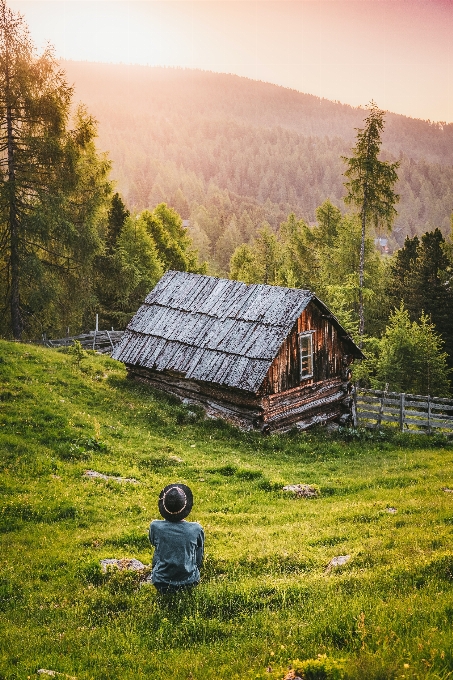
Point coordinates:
pixel 187 137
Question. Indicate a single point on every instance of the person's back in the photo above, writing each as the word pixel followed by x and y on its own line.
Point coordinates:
pixel 178 544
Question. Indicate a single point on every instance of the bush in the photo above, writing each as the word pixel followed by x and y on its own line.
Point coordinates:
pixel 321 668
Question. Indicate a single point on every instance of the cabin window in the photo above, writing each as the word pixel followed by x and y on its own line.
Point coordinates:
pixel 306 355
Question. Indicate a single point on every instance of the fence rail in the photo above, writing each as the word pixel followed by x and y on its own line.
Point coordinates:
pixel 409 412
pixel 101 341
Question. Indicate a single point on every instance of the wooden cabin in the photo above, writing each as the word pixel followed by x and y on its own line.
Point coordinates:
pixel 263 357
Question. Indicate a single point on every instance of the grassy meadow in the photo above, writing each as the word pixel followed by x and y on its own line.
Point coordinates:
pixel 266 601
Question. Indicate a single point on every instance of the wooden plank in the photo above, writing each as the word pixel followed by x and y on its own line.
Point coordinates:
pixel 440 407
pixel 377 400
pixel 372 415
pixel 369 407
pixel 364 415
pixel 389 418
pixel 389 411
pixel 430 416
pixel 427 404
pixel 442 400
pixel 416 413
pixel 378 393
pixel 442 425
pixel 416 421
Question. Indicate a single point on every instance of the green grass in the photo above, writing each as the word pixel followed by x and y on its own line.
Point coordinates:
pixel 266 598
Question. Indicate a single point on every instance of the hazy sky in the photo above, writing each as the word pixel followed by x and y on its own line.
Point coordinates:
pixel 397 52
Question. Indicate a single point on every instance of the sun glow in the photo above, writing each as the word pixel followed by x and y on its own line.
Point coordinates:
pixel 396 52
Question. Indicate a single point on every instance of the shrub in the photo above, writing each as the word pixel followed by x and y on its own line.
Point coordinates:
pixel 321 668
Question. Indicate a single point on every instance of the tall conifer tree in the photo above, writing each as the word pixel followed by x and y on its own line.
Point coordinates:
pixel 51 181
pixel 370 187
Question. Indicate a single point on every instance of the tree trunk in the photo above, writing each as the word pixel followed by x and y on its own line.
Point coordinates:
pixel 16 318
pixel 362 277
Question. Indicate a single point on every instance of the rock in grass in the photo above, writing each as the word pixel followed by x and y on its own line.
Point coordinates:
pixel 54 674
pixel 392 511
pixel 99 475
pixel 302 490
pixel 128 565
pixel 123 565
pixel 338 561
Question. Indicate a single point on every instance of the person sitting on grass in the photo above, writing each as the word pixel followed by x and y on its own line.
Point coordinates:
pixel 179 544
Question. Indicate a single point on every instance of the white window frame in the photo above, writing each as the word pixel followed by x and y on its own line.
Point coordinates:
pixel 306 355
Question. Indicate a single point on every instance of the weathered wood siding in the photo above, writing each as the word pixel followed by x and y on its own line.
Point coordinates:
pixel 328 353
pixel 242 408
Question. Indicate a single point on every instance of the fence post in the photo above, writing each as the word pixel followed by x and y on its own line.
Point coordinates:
pixel 381 406
pixel 402 414
pixel 355 417
pixel 96 330
pixel 429 414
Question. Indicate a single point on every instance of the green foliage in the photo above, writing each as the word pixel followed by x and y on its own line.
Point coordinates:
pixel 172 241
pixel 77 352
pixel 117 216
pixel 126 276
pixel 421 278
pixel 140 250
pixel 138 263
pixel 323 259
pixel 411 358
pixel 53 190
pixel 321 668
pixel 258 262
pixel 370 181
pixel 300 260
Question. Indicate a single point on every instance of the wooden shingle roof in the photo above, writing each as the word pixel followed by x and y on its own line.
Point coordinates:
pixel 210 329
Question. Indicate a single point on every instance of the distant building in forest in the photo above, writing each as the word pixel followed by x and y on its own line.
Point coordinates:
pixel 264 357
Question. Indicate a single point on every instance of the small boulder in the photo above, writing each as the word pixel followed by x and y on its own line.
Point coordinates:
pixel 128 565
pixel 100 475
pixel 54 674
pixel 122 565
pixel 338 561
pixel 302 490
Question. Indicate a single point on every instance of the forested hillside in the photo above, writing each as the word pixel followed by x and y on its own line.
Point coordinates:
pixel 250 150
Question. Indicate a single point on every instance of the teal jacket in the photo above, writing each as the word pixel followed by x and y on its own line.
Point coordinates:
pixel 178 552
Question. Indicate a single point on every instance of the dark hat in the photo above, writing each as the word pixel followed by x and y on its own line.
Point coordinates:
pixel 175 502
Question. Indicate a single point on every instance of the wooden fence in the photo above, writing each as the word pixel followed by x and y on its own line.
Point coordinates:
pixel 409 412
pixel 101 341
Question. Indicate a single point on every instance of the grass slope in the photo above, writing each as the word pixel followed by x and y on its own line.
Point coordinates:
pixel 265 597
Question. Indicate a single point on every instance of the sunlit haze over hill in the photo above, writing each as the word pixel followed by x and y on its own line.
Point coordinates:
pixel 397 52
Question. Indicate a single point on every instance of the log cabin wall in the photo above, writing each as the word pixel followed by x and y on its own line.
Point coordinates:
pixel 328 350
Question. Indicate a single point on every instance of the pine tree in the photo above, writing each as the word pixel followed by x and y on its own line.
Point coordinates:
pixel 434 286
pixel 401 274
pixel 421 278
pixel 370 187
pixel 411 357
pixel 259 262
pixel 52 184
pixel 172 240
pixel 300 257
pixel 117 216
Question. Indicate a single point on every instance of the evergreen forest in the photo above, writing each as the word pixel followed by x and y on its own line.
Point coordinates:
pixel 111 175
